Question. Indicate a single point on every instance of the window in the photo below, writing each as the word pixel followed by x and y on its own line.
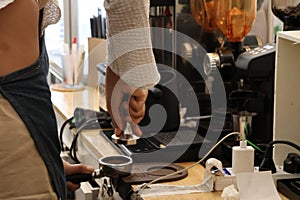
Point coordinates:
pixel 86 10
pixel 75 22
pixel 55 37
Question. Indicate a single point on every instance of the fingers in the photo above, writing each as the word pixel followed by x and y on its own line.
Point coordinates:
pixel 132 117
pixel 72 187
pixel 140 95
pixel 120 117
pixel 76 169
pixel 137 105
pixel 138 115
pixel 118 131
pixel 117 114
pixel 136 130
pixel 122 108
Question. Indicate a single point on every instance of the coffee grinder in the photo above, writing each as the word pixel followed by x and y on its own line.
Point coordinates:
pixel 288 12
pixel 203 12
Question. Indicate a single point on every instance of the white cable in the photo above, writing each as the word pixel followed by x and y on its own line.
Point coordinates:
pixel 188 167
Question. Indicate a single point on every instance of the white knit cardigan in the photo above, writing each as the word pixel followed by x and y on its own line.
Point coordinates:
pixel 129 44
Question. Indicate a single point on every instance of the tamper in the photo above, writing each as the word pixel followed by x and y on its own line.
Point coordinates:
pixel 127 138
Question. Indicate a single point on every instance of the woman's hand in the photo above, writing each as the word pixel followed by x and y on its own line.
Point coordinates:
pixel 76 169
pixel 124 103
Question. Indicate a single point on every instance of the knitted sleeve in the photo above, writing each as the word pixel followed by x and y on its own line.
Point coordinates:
pixel 4 3
pixel 129 44
pixel 51 13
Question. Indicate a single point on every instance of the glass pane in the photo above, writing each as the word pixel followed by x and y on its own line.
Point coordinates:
pixel 54 37
pixel 87 9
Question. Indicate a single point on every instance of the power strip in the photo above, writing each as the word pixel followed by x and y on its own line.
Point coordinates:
pixel 229 177
pixel 280 174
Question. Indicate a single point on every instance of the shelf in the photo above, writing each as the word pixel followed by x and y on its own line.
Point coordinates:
pixel 287 95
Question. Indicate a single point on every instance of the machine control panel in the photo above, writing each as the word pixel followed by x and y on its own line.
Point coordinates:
pixel 261 50
pixel 245 58
pixel 257 63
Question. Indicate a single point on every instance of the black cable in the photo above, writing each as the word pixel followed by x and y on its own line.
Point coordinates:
pixel 72 149
pixel 285 142
pixel 62 130
pixel 268 162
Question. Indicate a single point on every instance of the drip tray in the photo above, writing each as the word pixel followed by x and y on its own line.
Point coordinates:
pixel 289 188
pixel 146 172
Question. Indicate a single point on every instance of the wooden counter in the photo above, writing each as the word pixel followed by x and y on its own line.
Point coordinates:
pixel 65 102
pixel 195 176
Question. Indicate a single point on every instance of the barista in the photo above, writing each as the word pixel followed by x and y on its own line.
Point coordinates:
pixel 130 74
pixel 30 166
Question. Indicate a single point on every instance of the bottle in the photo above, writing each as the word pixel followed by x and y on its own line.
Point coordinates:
pixel 242 158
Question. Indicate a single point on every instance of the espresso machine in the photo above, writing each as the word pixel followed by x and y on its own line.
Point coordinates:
pixel 248 70
pixel 221 28
pixel 198 19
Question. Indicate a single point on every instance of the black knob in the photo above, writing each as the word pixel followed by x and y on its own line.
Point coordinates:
pixel 292 163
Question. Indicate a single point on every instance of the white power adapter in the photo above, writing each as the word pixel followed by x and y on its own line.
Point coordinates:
pixel 242 161
pixel 242 158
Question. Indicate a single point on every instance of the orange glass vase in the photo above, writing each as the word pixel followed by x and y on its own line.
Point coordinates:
pixel 234 18
pixel 203 12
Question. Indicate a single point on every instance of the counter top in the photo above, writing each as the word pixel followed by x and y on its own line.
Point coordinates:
pixel 66 102
pixel 95 146
pixel 195 176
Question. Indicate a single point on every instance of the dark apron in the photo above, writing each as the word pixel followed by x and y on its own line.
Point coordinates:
pixel 28 92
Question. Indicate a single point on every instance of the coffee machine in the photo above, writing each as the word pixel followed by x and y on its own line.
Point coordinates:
pixel 247 68
pixel 247 71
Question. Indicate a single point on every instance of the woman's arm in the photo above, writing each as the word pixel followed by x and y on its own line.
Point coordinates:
pixel 132 68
